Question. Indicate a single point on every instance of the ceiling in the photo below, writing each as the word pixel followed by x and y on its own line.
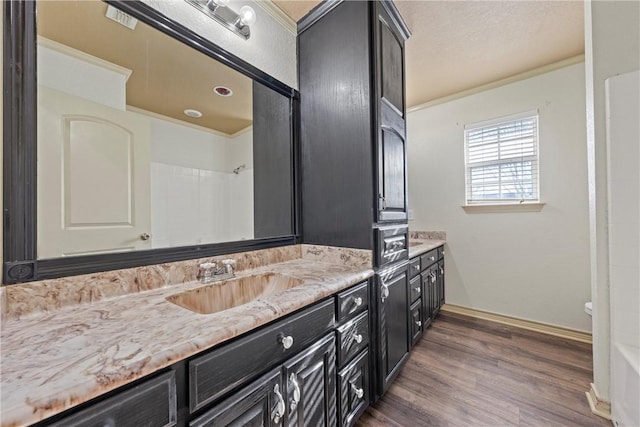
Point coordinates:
pixel 460 45
pixel 160 81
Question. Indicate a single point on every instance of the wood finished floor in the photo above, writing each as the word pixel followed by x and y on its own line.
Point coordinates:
pixel 470 372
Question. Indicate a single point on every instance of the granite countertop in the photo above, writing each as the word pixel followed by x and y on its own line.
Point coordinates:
pixel 54 361
pixel 421 246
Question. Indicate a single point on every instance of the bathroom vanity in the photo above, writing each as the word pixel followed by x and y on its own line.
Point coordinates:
pixel 325 304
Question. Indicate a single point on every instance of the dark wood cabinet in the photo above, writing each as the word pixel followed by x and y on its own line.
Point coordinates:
pixel 432 280
pixel 353 390
pixel 150 402
pixel 310 384
pixel 261 403
pixel 391 138
pixel 415 322
pixel 393 323
pixel 352 109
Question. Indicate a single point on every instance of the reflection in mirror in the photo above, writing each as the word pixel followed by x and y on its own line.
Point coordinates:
pixel 136 150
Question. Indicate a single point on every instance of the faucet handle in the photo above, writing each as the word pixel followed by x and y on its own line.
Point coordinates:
pixel 228 265
pixel 208 265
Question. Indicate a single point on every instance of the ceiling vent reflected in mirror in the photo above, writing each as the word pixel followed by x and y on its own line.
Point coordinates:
pixel 220 12
pixel 121 18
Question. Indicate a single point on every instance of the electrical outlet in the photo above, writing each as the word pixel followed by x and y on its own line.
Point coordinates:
pixel 411 215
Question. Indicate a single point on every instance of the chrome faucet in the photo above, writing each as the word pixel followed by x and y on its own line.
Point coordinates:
pixel 211 272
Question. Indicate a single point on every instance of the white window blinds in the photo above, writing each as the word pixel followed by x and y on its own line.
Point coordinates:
pixel 502 160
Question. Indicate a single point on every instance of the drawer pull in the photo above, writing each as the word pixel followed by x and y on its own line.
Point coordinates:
pixel 441 270
pixel 287 341
pixel 418 323
pixel 295 399
pixel 417 289
pixel 358 391
pixel 433 277
pixel 278 413
pixel 416 267
pixel 357 338
pixel 384 292
pixel 357 301
pixel 432 258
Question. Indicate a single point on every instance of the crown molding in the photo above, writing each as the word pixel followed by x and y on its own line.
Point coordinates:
pixel 278 14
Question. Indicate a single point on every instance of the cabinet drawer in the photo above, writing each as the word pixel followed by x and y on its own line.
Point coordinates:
pixel 152 403
pixel 253 405
pixel 392 244
pixel 221 370
pixel 416 322
pixel 353 390
pixel 353 301
pixel 353 337
pixel 429 258
pixel 415 288
pixel 441 252
pixel 414 267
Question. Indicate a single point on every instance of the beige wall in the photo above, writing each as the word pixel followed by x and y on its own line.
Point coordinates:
pixel 530 265
pixel 612 47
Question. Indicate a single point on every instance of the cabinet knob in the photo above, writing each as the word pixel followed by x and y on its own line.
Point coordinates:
pixel 417 289
pixel 278 413
pixel 358 391
pixel 357 301
pixel 357 338
pixel 145 236
pixel 418 323
pixel 441 270
pixel 432 258
pixel 286 341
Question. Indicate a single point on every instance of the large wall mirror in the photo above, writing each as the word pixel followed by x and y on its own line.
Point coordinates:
pixel 140 146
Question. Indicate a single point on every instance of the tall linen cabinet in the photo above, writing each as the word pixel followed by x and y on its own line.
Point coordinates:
pixel 353 153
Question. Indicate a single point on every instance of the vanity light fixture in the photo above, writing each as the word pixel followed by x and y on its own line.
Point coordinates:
pixel 219 11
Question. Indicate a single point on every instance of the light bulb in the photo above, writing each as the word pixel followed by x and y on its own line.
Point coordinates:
pixel 247 15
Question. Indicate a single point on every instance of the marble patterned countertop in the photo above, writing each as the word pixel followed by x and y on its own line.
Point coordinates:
pixel 52 361
pixel 421 246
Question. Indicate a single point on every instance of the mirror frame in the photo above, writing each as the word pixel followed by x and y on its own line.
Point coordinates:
pixel 20 263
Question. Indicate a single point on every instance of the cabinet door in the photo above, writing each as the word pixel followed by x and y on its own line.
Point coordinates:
pixel 441 282
pixel 310 385
pixel 427 291
pixel 392 177
pixel 415 322
pixel 393 325
pixel 259 404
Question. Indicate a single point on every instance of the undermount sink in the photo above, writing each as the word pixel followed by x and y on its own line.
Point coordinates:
pixel 231 293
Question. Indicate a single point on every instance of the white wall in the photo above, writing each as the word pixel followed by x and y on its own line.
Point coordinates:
pixel 612 47
pixel 271 47
pixel 77 73
pixel 530 265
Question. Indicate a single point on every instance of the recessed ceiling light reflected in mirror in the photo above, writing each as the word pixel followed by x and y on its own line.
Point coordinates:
pixel 222 91
pixel 193 113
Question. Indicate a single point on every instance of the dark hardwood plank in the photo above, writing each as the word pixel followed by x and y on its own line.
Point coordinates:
pixel 471 372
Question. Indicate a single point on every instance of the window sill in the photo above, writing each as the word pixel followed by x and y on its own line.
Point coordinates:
pixel 504 207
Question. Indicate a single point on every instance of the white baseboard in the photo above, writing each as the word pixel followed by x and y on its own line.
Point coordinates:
pixel 599 407
pixel 557 331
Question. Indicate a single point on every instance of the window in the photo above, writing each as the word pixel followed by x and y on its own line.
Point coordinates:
pixel 502 160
